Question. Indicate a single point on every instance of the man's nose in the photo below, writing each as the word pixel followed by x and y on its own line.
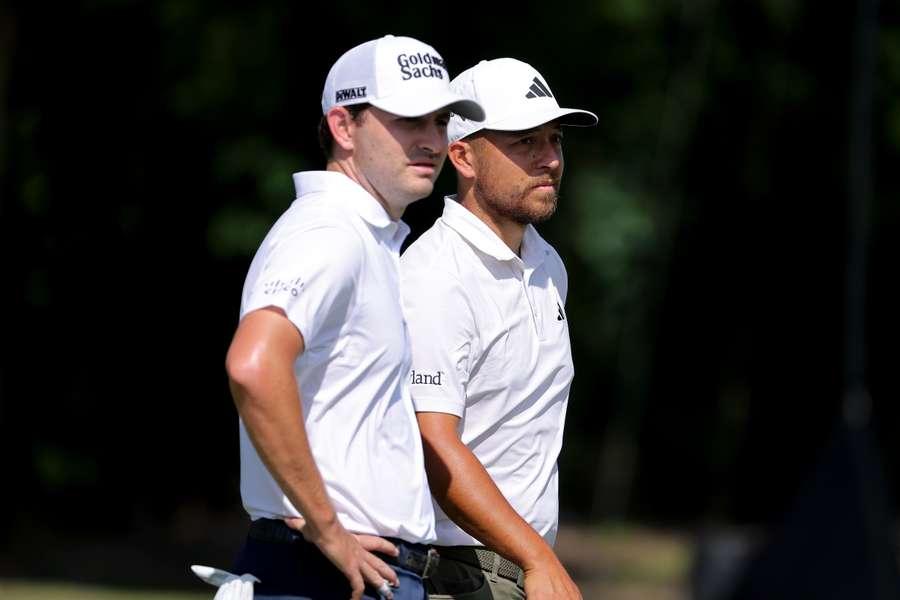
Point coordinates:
pixel 434 139
pixel 550 156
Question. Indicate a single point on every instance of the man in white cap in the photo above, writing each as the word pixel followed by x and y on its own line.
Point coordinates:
pixel 484 297
pixel 332 471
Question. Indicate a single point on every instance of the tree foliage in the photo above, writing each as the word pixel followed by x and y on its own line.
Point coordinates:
pixel 147 146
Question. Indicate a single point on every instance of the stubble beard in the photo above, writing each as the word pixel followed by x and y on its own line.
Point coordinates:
pixel 514 205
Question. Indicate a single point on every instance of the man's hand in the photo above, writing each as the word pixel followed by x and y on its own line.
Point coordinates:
pixel 550 582
pixel 231 586
pixel 352 554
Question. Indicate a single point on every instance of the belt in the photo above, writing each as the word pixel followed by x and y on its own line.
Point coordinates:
pixel 486 560
pixel 417 558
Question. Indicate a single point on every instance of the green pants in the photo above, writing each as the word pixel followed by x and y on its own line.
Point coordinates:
pixel 456 580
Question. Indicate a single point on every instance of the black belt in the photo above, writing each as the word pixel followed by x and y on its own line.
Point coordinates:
pixel 486 560
pixel 417 558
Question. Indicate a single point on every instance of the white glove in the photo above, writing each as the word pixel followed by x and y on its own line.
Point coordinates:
pixel 231 586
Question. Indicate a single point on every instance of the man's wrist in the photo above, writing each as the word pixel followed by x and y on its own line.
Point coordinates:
pixel 321 527
pixel 538 558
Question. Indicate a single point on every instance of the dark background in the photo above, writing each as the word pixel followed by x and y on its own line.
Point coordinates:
pixel 146 147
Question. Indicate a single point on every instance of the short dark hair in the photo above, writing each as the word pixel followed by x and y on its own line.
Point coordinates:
pixel 326 140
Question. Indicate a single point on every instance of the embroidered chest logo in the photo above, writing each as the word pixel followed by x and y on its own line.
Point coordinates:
pixel 561 316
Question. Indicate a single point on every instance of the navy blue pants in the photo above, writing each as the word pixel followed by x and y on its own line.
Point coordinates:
pixel 299 571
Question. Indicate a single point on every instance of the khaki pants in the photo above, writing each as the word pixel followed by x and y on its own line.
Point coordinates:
pixel 456 580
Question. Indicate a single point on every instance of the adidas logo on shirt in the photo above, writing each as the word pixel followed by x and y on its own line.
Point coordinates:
pixel 538 89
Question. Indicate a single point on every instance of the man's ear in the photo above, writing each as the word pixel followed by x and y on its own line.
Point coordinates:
pixel 341 124
pixel 462 155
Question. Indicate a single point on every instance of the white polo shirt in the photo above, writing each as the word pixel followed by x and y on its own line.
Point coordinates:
pixel 331 263
pixel 491 345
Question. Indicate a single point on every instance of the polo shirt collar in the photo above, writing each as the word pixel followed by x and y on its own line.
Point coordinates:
pixel 534 250
pixel 476 232
pixel 353 197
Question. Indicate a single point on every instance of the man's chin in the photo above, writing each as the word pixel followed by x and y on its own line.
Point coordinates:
pixel 418 190
pixel 543 210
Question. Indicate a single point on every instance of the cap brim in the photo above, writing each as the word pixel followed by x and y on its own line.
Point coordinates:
pixel 530 120
pixel 416 105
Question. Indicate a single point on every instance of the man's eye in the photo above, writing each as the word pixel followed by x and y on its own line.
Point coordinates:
pixel 528 141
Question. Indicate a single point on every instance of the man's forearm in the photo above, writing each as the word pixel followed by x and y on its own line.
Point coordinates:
pixel 260 366
pixel 273 418
pixel 466 492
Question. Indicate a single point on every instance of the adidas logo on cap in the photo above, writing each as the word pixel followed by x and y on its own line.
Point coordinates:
pixel 538 89
pixel 505 88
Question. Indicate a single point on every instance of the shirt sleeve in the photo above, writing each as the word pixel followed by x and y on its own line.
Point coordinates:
pixel 310 273
pixel 443 337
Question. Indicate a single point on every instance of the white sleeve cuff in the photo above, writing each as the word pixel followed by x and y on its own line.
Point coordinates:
pixel 439 405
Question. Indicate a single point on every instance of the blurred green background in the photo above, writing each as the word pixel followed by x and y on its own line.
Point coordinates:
pixel 706 223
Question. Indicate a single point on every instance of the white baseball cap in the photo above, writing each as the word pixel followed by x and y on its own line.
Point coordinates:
pixel 515 97
pixel 401 75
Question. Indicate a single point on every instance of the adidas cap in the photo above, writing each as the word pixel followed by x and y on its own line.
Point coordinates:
pixel 514 97
pixel 400 75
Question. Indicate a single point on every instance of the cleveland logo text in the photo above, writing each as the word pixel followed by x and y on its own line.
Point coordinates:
pixel 425 378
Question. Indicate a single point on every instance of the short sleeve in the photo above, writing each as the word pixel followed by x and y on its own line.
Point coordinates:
pixel 443 337
pixel 310 273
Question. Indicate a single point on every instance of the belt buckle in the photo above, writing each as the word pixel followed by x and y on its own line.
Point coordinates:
pixel 432 560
